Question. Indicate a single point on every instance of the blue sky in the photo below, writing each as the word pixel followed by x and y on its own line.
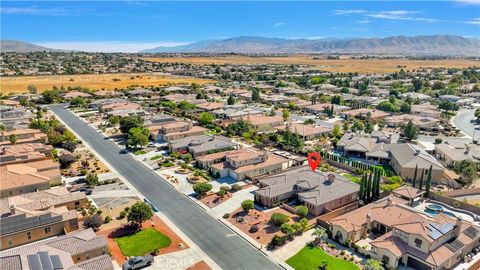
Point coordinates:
pixel 133 25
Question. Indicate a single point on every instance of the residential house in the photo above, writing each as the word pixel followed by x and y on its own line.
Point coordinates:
pixel 451 153
pixel 427 110
pixel 306 132
pixel 423 122
pixel 319 108
pixel 242 163
pixel 201 145
pixel 75 94
pixel 235 112
pixel 263 123
pixel 406 157
pixel 28 221
pixel 25 135
pixel 210 106
pixel 169 131
pixel 16 179
pixel 15 117
pixel 407 237
pixel 24 153
pixel 80 250
pixel 321 192
pixel 365 113
pixel 375 147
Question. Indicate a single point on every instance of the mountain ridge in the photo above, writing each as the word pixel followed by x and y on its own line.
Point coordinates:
pixel 10 45
pixel 425 44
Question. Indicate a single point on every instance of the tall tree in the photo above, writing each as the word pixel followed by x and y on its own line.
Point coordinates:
pixel 410 131
pixel 420 186
pixel 369 188
pixel 429 179
pixel 415 175
pixel 361 193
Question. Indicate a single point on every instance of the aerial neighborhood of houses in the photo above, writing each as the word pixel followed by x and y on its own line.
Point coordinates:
pixel 146 175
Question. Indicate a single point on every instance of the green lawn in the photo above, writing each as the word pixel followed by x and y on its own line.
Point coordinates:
pixel 310 257
pixel 142 242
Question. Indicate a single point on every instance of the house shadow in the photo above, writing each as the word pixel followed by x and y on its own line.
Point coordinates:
pixel 123 231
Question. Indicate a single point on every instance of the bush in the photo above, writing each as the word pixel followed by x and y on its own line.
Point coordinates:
pixel 331 245
pixel 277 241
pixel 66 160
pixel 226 188
pixel 202 188
pixel 122 215
pixel 221 193
pixel 94 222
pixel 247 205
pixel 342 252
pixel 279 219
pixel 91 180
pixel 83 171
pixel 226 215
pixel 301 211
pixel 236 187
pixel 167 164
pixel 69 146
pixel 107 219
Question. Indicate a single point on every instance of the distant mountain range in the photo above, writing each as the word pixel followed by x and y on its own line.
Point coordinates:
pixel 396 45
pixel 438 45
pixel 22 46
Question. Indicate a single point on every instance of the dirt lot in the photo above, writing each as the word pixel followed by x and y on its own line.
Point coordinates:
pixel 94 81
pixel 334 65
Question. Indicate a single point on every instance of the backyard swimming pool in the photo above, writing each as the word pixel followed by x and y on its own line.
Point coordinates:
pixel 435 209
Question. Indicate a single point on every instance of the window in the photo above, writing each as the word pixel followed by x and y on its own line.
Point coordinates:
pixel 10 242
pixel 418 242
pixel 77 203
pixel 29 235
pixel 385 259
pixel 47 230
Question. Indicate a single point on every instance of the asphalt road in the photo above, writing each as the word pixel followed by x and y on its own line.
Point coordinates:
pixel 463 122
pixel 223 246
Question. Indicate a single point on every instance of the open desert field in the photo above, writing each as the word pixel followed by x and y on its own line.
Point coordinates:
pixel 333 65
pixel 94 81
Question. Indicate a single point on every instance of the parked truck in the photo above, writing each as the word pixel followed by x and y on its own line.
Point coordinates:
pixel 138 262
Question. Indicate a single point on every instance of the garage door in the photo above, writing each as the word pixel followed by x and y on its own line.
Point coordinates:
pixel 418 265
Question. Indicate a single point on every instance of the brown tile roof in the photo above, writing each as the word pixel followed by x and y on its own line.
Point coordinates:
pixel 15 175
pixel 380 211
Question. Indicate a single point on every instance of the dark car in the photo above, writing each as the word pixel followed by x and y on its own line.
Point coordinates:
pixel 138 262
pixel 88 191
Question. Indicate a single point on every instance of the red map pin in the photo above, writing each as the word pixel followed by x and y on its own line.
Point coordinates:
pixel 313 160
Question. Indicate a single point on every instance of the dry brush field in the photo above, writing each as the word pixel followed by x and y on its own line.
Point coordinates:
pixel 94 81
pixel 333 65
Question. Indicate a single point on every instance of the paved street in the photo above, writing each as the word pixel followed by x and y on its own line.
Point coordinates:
pixel 228 250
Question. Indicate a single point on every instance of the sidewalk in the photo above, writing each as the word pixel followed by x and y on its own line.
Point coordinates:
pixel 291 248
pixel 233 203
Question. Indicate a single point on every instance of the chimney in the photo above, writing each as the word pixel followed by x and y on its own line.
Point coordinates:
pixel 389 201
pixel 331 178
pixel 458 226
pixel 369 221
pixel 265 154
pixel 12 209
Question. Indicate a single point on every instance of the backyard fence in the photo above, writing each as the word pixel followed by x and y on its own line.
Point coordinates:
pixel 352 165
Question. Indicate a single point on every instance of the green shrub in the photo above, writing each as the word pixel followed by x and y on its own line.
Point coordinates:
pixel 122 215
pixel 247 205
pixel 156 157
pixel 301 211
pixel 167 164
pixel 226 188
pixel 279 219
pixel 236 187
pixel 107 219
pixel 226 215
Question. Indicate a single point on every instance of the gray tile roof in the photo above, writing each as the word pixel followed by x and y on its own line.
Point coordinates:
pixel 103 262
pixel 409 156
pixel 203 143
pixel 310 186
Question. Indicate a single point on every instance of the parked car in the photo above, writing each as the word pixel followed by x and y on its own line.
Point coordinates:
pixel 138 262
pixel 88 191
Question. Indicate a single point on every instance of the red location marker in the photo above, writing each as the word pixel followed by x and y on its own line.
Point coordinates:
pixel 313 160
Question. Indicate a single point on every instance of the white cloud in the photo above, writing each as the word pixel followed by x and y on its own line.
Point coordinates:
pixel 400 15
pixel 469 2
pixel 474 21
pixel 107 46
pixel 278 24
pixel 34 10
pixel 363 21
pixel 348 11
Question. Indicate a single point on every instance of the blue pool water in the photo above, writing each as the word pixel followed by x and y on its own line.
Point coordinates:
pixel 434 213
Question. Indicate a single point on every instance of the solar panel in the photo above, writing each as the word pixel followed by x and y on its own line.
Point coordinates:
pixel 34 262
pixel 45 260
pixel 56 262
pixel 455 245
pixel 446 227
pixel 472 232
pixel 435 234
